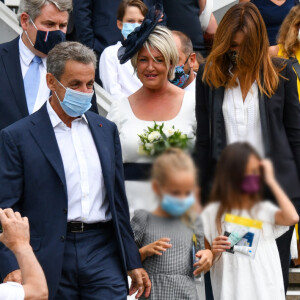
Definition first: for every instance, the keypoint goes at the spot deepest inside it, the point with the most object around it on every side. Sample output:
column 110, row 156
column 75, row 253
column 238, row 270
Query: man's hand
column 15, row 276
column 140, row 282
column 15, row 234
column 205, row 261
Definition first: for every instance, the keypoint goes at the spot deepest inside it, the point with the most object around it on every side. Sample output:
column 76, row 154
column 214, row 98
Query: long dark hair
column 230, row 172
column 254, row 59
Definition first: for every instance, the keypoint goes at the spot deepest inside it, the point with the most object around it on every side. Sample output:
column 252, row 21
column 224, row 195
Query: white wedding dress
column 139, row 193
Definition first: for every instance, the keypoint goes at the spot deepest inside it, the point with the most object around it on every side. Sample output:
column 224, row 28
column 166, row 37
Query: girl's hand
column 204, row 263
column 268, row 171
column 158, row 247
column 220, row 244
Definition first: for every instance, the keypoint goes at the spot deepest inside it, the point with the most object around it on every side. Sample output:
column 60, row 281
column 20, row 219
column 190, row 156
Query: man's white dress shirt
column 118, row 80
column 242, row 118
column 83, row 172
column 26, row 56
column 11, row 291
column 192, row 86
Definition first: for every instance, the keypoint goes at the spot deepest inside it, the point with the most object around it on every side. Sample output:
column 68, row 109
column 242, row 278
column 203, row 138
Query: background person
column 289, row 40
column 243, row 95
column 118, row 79
column 273, row 13
column 157, row 100
column 183, row 15
column 15, row 236
column 236, row 190
column 165, row 236
column 96, row 24
column 78, row 211
column 185, row 77
column 23, row 88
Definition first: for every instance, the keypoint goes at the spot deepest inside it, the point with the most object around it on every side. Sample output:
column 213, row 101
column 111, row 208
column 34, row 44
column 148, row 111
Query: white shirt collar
column 27, row 56
column 55, row 119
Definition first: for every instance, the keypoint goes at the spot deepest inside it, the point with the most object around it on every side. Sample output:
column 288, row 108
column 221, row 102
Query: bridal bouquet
column 155, row 140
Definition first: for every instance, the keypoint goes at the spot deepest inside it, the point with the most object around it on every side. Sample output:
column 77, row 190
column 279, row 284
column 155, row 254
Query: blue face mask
column 180, row 76
column 128, row 28
column 46, row 40
column 75, row 103
column 176, row 207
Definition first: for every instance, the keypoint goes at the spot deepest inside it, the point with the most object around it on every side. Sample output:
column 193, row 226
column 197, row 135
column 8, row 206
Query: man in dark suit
column 62, row 167
column 96, row 23
column 183, row 15
column 23, row 87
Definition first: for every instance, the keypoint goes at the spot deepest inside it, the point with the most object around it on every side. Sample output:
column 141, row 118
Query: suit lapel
column 218, row 125
column 43, row 133
column 264, row 120
column 99, row 136
column 11, row 62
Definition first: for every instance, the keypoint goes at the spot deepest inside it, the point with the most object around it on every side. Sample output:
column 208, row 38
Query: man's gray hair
column 33, row 7
column 61, row 53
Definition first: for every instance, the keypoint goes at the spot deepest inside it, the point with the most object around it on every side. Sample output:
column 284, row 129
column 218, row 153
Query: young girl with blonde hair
column 170, row 239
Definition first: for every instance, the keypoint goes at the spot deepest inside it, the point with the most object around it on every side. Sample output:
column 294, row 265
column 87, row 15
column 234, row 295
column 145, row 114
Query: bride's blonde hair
column 161, row 39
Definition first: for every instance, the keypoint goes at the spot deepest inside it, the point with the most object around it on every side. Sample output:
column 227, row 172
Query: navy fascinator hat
column 136, row 39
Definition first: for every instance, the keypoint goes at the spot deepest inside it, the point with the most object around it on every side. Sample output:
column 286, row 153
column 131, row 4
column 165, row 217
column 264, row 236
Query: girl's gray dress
column 171, row 274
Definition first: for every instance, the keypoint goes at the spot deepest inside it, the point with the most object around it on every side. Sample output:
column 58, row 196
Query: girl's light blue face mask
column 176, row 207
column 75, row 103
column 128, row 28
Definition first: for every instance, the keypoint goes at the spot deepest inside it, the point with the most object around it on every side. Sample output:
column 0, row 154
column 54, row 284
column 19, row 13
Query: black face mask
column 46, row 40
column 233, row 56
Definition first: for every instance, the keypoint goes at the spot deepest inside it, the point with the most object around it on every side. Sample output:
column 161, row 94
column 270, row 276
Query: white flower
column 153, row 136
column 149, row 146
column 168, row 131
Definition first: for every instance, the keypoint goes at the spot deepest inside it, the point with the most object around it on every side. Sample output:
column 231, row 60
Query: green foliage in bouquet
column 155, row 140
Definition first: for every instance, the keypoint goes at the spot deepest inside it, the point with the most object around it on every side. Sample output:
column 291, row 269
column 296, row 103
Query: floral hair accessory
column 136, row 39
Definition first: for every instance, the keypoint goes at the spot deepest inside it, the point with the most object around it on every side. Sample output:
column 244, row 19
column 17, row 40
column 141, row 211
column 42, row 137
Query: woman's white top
column 11, row 291
column 139, row 193
column 242, row 118
column 118, row 80
column 237, row 276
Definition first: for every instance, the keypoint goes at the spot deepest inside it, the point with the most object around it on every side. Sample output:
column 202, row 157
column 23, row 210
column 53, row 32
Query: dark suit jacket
column 13, row 105
column 280, row 123
column 183, row 15
column 96, row 23
column 32, row 181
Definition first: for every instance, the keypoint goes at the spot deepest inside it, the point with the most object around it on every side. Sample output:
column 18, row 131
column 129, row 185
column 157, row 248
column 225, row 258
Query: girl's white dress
column 139, row 193
column 237, row 276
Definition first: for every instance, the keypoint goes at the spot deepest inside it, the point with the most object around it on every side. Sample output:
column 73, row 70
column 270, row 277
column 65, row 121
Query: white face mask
column 299, row 35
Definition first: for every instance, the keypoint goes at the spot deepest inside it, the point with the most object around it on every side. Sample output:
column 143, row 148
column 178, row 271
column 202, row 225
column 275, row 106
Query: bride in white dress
column 157, row 100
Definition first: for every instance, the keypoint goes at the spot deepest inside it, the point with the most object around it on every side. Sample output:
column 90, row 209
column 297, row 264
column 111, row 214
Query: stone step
column 293, row 292
column 293, row 295
column 294, row 277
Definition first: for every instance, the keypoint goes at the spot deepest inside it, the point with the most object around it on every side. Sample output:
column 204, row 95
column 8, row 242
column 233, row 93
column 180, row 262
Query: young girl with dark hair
column 240, row 174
